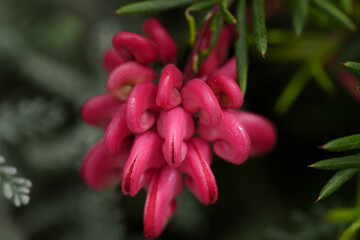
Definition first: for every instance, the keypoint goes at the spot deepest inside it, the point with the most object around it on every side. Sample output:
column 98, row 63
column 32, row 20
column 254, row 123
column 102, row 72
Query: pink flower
column 150, row 138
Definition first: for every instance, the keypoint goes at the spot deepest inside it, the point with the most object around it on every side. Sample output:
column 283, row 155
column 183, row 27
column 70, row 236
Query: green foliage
column 241, row 47
column 260, row 36
column 352, row 161
column 354, row 67
column 16, row 189
column 155, row 5
column 299, row 15
column 343, row 144
column 228, row 17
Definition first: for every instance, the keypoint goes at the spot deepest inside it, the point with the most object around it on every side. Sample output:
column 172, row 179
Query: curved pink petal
column 231, row 141
column 141, row 105
column 166, row 184
column 226, row 88
column 142, row 48
column 117, row 132
column 229, row 68
column 170, row 82
column 123, row 78
column 101, row 170
column 166, row 45
column 145, row 154
column 261, row 131
column 175, row 125
column 111, row 60
column 99, row 110
column 197, row 96
column 200, row 179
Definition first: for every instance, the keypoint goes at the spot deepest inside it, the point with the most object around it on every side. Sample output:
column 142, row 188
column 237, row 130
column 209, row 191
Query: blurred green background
column 50, row 64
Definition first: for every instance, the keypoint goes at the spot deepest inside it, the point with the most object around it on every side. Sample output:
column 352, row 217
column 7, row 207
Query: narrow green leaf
column 341, row 177
column 352, row 161
column 154, row 5
column 228, row 17
column 241, row 49
column 299, row 16
column 320, row 76
column 336, row 13
column 293, row 89
column 350, row 231
column 343, row 214
column 354, row 67
column 343, row 144
column 347, row 5
column 191, row 20
column 260, row 36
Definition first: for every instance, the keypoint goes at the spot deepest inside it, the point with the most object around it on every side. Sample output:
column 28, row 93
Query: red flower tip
column 200, row 179
column 99, row 110
column 197, row 96
column 229, row 68
column 142, row 48
column 166, row 45
column 145, row 154
column 175, row 125
column 101, row 170
column 165, row 185
column 170, row 82
column 123, row 78
column 111, row 60
column 226, row 88
column 140, row 106
column 231, row 141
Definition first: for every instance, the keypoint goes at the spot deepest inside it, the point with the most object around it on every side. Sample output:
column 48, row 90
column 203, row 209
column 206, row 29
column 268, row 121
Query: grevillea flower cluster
column 151, row 141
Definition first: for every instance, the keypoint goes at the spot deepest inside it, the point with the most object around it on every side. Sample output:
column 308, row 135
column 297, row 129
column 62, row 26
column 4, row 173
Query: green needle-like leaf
column 191, row 20
column 336, row 13
column 352, row 161
column 350, row 231
column 260, row 36
column 347, row 5
column 321, row 77
column 337, row 181
column 343, row 144
column 354, row 67
column 228, row 17
column 293, row 89
column 343, row 214
column 155, row 5
column 241, row 47
column 299, row 17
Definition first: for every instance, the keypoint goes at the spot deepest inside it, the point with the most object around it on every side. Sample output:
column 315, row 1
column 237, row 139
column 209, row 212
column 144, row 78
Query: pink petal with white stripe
column 141, row 107
column 123, row 78
column 231, row 141
column 165, row 185
column 99, row 110
column 170, row 82
column 145, row 154
column 197, row 96
column 176, row 126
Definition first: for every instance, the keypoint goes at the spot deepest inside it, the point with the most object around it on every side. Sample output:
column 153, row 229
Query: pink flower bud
column 171, row 80
column 123, row 78
column 101, row 170
column 140, row 106
column 111, row 60
column 226, row 88
column 231, row 141
column 117, row 132
column 99, row 110
column 200, row 179
column 145, row 154
column 197, row 96
column 165, row 185
column 229, row 68
column 261, row 131
column 142, row 48
column 166, row 45
column 175, row 125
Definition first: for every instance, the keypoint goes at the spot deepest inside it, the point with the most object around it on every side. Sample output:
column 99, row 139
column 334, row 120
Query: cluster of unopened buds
column 158, row 133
